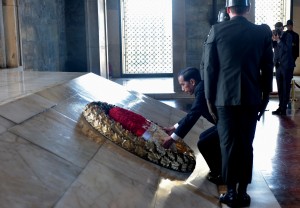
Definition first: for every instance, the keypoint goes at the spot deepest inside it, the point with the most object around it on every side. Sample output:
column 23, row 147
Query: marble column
column 102, row 12
column 179, row 40
column 11, row 33
column 92, row 36
column 296, row 18
column 96, row 37
column 2, row 40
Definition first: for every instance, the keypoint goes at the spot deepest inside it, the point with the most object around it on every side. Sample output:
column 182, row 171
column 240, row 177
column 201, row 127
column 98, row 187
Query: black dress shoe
column 230, row 199
column 279, row 112
column 283, row 112
column 216, row 179
column 244, row 200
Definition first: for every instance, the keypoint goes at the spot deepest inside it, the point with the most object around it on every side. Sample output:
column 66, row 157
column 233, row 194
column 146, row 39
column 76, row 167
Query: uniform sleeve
column 202, row 61
column 211, row 67
column 296, row 45
column 267, row 62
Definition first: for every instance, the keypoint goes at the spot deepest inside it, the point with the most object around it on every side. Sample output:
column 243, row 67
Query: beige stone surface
column 48, row 158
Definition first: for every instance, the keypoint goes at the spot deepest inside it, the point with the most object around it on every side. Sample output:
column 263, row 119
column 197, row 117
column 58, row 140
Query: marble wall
column 2, row 41
column 43, row 34
column 62, row 35
column 53, row 35
column 296, row 18
column 59, row 35
column 198, row 18
column 75, row 26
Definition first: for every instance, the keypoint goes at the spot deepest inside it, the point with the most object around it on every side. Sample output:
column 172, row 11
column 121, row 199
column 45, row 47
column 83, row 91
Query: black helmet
column 223, row 16
column 230, row 3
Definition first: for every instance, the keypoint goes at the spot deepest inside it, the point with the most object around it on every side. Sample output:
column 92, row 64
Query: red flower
column 130, row 121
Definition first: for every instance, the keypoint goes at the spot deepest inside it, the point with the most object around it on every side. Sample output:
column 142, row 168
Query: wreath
column 139, row 136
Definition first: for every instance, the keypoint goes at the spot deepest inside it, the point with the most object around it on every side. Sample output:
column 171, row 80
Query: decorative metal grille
column 147, row 37
column 270, row 11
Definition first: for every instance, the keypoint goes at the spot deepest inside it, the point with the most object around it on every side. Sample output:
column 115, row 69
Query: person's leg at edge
column 209, row 147
column 279, row 81
column 248, row 128
column 287, row 88
column 226, row 129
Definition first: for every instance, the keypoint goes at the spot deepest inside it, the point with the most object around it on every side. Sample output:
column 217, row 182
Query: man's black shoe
column 230, row 199
column 244, row 200
column 216, row 179
column 279, row 112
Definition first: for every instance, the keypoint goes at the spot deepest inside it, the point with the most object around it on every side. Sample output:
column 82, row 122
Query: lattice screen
column 270, row 11
column 147, row 36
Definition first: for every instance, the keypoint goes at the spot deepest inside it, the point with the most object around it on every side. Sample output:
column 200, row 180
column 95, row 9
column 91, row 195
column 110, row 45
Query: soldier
column 238, row 73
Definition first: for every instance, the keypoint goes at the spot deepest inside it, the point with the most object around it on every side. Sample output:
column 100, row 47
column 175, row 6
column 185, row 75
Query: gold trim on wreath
column 181, row 158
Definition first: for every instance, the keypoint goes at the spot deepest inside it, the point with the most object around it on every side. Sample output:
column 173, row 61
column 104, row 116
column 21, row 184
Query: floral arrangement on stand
column 139, row 136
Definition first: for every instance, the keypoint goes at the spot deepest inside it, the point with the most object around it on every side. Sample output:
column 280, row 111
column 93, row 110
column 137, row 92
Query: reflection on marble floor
column 15, row 84
column 48, row 158
column 155, row 83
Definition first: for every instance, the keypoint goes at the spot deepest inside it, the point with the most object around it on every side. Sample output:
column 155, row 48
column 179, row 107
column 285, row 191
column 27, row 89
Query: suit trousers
column 284, row 79
column 209, row 146
column 236, row 126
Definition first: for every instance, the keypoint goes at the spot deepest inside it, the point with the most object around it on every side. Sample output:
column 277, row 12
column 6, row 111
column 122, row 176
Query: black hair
column 239, row 9
column 190, row 73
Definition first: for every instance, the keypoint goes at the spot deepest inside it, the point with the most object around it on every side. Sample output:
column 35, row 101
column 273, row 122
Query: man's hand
column 169, row 130
column 168, row 141
column 211, row 110
column 275, row 37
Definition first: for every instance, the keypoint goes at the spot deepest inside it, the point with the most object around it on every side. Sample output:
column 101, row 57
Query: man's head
column 278, row 25
column 278, row 29
column 188, row 78
column 289, row 24
column 237, row 7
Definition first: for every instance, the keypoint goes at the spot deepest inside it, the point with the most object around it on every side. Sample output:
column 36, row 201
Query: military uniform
column 238, row 71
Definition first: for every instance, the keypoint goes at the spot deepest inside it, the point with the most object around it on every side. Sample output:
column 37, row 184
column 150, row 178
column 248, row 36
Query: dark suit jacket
column 238, row 63
column 295, row 47
column 283, row 53
column 198, row 109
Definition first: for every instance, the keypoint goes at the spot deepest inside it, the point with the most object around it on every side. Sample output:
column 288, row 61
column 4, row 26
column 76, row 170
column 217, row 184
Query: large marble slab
column 5, row 124
column 58, row 134
column 49, row 158
column 31, row 176
column 122, row 176
column 23, row 109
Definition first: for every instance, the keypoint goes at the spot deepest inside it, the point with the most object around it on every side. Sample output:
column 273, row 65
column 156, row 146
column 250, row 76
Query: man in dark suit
column 295, row 46
column 238, row 73
column 208, row 144
column 284, row 64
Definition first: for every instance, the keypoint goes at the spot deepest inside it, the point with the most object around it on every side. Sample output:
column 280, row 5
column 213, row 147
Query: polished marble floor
column 276, row 145
column 48, row 158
